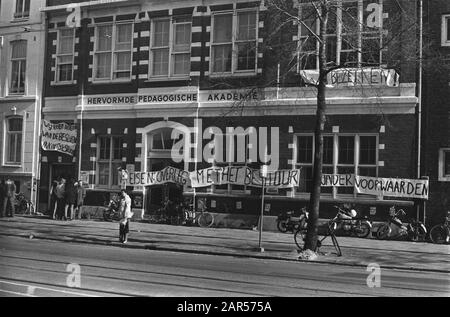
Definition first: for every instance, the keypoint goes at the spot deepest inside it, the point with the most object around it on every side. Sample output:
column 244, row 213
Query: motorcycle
column 112, row 211
column 347, row 222
column 287, row 222
column 413, row 231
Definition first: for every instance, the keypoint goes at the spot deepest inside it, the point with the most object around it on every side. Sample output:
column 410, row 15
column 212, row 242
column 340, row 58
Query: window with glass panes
column 170, row 47
column 113, row 51
column 342, row 154
column 351, row 40
column 64, row 55
column 18, row 66
column 234, row 42
column 109, row 159
column 22, row 9
column 14, row 127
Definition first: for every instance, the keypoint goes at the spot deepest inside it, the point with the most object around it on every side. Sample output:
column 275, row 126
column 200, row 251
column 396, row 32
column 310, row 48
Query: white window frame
column 6, row 141
column 356, row 165
column 111, row 161
column 113, row 52
column 339, row 34
column 234, row 43
column 11, row 92
column 22, row 14
column 445, row 38
column 58, row 54
column 170, row 47
column 441, row 165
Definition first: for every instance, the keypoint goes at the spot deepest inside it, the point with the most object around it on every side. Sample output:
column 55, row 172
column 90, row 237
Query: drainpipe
column 419, row 103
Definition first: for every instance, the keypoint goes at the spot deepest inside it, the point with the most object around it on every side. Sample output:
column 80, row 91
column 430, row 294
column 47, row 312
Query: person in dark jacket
column 10, row 193
column 70, row 196
column 53, row 199
column 60, row 201
column 2, row 198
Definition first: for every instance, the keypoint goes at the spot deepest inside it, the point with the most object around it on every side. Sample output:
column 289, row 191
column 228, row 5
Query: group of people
column 7, row 197
column 66, row 196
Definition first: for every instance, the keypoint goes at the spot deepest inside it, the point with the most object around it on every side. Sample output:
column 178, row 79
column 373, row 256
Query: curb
column 217, row 253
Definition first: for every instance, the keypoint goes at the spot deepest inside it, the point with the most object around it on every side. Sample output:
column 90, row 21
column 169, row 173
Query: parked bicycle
column 413, row 231
column 440, row 233
column 287, row 222
column 23, row 205
column 347, row 222
column 112, row 211
column 201, row 217
column 299, row 237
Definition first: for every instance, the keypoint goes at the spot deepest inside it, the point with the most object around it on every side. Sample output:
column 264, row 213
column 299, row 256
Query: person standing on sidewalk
column 53, row 199
column 60, row 203
column 10, row 193
column 81, row 193
column 70, row 197
column 2, row 198
column 125, row 209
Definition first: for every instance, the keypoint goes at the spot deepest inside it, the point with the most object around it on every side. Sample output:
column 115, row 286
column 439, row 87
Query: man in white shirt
column 125, row 209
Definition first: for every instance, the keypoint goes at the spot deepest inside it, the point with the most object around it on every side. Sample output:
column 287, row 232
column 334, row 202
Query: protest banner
column 242, row 175
column 337, row 180
column 166, row 175
column 59, row 137
column 395, row 187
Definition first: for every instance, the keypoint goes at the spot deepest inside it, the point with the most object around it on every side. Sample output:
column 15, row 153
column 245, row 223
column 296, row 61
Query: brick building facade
column 136, row 70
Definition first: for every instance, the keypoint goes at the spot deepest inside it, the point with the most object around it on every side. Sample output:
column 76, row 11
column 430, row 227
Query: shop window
column 113, row 51
column 444, row 165
column 234, row 42
column 18, row 66
column 65, row 55
column 170, row 47
column 14, row 135
column 22, row 9
column 109, row 160
column 353, row 39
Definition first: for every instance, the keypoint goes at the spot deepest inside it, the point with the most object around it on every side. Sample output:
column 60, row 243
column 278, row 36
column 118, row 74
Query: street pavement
column 357, row 252
column 44, row 268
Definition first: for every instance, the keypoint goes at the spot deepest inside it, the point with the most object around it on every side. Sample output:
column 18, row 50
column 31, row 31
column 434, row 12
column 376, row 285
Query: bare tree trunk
column 314, row 202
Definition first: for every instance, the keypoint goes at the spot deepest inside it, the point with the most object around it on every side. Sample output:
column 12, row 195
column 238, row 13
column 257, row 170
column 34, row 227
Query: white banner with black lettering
column 394, row 187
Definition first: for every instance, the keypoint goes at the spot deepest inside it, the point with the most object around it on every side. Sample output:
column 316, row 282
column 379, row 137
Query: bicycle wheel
column 23, row 207
column 438, row 234
column 362, row 230
column 281, row 225
column 299, row 238
column 205, row 220
column 383, row 232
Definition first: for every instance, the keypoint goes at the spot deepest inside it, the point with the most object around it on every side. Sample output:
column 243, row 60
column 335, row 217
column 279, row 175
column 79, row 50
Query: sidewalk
column 231, row 242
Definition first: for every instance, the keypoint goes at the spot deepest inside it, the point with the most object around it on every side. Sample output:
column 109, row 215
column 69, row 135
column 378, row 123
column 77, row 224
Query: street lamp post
column 263, row 178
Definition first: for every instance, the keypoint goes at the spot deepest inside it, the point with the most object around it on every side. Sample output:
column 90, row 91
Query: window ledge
column 154, row 79
column 243, row 74
column 444, row 179
column 12, row 165
column 21, row 19
column 110, row 81
column 63, row 83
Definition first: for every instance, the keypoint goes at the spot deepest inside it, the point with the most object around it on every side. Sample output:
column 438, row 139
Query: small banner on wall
column 394, row 187
column 59, row 137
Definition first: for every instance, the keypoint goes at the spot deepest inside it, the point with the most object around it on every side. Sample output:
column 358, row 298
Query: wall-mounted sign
column 59, row 137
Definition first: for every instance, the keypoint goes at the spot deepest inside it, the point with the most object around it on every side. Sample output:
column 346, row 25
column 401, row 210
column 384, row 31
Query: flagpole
column 81, row 132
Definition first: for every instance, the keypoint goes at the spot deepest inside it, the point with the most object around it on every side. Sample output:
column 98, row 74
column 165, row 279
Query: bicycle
column 300, row 234
column 414, row 231
column 23, row 205
column 202, row 217
column 440, row 233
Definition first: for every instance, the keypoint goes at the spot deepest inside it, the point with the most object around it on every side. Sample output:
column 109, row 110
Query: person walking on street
column 10, row 193
column 2, row 198
column 125, row 208
column 60, row 203
column 53, row 199
column 70, row 197
column 81, row 193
